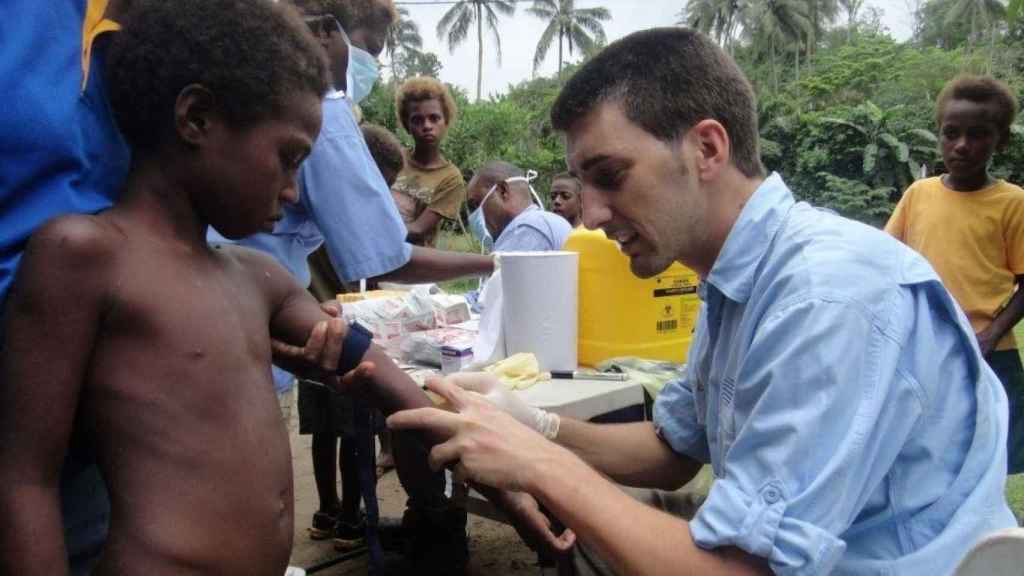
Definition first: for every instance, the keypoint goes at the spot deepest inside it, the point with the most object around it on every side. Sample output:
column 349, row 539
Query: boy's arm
column 1007, row 318
column 386, row 387
column 422, row 226
column 50, row 324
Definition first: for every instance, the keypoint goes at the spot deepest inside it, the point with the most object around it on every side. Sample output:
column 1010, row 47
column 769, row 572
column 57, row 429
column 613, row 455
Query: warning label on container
column 674, row 286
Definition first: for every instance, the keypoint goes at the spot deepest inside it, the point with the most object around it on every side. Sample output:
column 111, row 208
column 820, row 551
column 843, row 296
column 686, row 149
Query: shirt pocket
column 726, row 423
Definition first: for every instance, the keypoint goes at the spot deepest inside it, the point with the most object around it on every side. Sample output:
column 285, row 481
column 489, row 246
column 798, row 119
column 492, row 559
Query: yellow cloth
column 518, row 371
column 974, row 240
column 94, row 24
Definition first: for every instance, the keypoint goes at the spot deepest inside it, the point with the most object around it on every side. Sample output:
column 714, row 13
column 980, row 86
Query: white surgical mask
column 477, row 220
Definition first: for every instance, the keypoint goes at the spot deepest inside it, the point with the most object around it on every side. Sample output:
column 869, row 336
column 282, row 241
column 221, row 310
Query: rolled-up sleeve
column 676, row 421
column 805, row 435
column 343, row 191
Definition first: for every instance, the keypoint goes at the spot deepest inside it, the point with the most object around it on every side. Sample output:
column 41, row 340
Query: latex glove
column 483, row 444
column 491, row 389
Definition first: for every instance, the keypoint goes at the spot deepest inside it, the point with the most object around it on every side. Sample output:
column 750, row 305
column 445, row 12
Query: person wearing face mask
column 505, row 208
column 429, row 188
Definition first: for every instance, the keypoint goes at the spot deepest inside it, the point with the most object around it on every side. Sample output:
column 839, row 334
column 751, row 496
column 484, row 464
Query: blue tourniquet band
column 354, row 347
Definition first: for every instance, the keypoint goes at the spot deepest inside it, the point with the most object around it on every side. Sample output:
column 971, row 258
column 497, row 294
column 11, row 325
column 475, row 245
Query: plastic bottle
column 622, row 315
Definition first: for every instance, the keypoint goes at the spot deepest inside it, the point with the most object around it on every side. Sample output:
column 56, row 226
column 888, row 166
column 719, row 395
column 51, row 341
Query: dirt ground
column 495, row 548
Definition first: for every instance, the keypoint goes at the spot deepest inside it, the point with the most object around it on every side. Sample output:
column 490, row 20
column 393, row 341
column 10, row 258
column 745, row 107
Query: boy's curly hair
column 353, row 14
column 250, row 54
column 384, row 147
column 980, row 90
column 422, row 88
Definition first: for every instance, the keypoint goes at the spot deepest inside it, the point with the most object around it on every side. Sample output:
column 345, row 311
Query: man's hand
column 490, row 387
column 484, row 444
column 533, row 526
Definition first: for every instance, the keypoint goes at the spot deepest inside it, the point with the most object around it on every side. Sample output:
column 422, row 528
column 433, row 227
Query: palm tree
column 978, row 12
column 852, row 7
column 403, row 36
column 454, row 27
column 779, row 22
column 820, row 13
column 579, row 26
column 717, row 18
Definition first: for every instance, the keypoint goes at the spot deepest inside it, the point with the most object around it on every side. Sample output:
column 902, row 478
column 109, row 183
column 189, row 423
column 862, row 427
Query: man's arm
column 1007, row 318
column 50, row 324
column 430, row 265
column 422, row 226
column 651, row 463
column 488, row 446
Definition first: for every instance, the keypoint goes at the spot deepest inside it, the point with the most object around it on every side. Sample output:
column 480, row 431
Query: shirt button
column 772, row 495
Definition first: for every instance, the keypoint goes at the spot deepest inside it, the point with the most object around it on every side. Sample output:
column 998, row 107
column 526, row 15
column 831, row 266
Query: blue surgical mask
column 363, row 70
column 478, row 224
column 362, row 73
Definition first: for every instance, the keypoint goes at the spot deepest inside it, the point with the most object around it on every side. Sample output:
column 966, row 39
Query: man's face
column 638, row 189
column 426, row 121
column 248, row 172
column 477, row 193
column 968, row 137
column 565, row 199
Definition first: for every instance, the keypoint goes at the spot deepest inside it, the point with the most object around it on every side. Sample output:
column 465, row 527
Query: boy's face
column 426, row 121
column 968, row 137
column 565, row 199
column 249, row 172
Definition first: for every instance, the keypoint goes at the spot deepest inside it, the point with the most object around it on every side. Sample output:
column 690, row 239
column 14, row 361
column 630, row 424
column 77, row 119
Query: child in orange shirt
column 970, row 227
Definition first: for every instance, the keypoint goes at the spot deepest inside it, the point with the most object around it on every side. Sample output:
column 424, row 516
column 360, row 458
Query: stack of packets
column 393, row 315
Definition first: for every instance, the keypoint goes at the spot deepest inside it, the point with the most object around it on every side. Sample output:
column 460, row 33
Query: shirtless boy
column 125, row 330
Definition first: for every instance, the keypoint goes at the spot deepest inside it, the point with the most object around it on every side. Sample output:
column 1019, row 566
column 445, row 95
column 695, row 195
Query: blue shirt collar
column 751, row 234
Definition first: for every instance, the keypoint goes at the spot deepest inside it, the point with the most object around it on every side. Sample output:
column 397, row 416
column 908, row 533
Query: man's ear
column 194, row 114
column 713, row 148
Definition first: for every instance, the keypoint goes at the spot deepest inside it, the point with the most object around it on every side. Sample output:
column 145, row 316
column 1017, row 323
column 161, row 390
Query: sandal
column 323, row 526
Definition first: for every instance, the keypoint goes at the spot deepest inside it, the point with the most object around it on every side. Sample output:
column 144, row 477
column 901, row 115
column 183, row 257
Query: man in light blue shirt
column 833, row 385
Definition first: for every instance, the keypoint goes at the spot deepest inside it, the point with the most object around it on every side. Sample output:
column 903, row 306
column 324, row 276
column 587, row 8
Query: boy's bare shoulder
column 77, row 238
column 262, row 267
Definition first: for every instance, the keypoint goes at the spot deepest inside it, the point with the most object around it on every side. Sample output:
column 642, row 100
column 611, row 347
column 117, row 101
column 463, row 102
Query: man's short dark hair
column 569, row 177
column 980, row 90
column 250, row 54
column 384, row 147
column 667, row 80
column 353, row 14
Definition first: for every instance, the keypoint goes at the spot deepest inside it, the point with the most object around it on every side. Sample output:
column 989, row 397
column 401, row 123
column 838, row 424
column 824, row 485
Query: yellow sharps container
column 622, row 315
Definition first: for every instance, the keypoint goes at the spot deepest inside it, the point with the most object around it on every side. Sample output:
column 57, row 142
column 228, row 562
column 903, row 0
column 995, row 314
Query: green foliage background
column 848, row 130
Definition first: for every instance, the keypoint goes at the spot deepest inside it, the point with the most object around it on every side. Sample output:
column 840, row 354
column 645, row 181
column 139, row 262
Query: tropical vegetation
column 846, row 111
